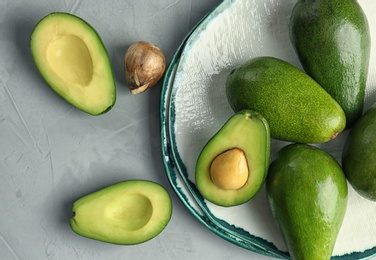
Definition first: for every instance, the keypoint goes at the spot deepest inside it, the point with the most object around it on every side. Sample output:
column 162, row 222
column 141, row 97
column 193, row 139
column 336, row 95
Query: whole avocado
column 358, row 158
column 296, row 108
column 307, row 193
column 332, row 40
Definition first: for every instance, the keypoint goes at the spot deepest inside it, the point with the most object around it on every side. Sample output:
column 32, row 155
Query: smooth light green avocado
column 332, row 40
column 296, row 108
column 126, row 213
column 72, row 59
column 359, row 155
column 307, row 193
column 233, row 164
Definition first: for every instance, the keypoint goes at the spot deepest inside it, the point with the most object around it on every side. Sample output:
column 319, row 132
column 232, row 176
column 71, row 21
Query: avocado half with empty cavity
column 72, row 59
column 233, row 164
column 126, row 213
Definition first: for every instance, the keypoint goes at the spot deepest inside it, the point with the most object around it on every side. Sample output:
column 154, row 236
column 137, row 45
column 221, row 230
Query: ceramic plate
column 194, row 107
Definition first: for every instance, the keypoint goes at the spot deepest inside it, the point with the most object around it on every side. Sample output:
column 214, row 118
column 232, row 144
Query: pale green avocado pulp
column 247, row 131
column 72, row 59
column 129, row 212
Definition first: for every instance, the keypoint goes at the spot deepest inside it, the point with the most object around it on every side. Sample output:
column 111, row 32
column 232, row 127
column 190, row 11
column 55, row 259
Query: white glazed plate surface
column 194, row 107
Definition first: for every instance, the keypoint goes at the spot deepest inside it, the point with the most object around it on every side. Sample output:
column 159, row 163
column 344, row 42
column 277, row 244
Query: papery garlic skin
column 144, row 65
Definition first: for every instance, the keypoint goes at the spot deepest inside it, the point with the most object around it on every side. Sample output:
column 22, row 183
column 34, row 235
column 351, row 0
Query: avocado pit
column 229, row 170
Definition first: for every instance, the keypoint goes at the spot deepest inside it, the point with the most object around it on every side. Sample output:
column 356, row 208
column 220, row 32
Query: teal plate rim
column 177, row 175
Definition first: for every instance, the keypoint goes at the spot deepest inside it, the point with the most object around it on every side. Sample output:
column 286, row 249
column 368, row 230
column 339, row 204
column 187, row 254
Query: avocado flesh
column 332, row 40
column 296, row 108
column 248, row 131
column 307, row 193
column 129, row 212
column 358, row 157
column 72, row 59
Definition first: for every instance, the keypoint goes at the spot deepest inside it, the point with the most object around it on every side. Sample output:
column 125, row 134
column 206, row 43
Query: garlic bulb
column 144, row 65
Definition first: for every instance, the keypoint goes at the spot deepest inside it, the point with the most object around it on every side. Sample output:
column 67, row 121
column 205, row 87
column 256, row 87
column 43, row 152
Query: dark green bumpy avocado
column 332, row 40
column 307, row 192
column 296, row 108
column 359, row 155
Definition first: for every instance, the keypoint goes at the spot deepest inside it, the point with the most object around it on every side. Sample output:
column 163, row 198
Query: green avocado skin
column 307, row 193
column 248, row 131
column 296, row 108
column 332, row 40
column 359, row 155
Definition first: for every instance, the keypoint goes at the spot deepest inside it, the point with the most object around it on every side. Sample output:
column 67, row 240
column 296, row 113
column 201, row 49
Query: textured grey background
column 51, row 154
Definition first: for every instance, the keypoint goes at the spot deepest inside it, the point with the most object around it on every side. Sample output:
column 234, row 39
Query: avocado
column 125, row 213
column 296, row 108
column 358, row 156
column 332, row 41
column 233, row 164
column 307, row 193
column 72, row 59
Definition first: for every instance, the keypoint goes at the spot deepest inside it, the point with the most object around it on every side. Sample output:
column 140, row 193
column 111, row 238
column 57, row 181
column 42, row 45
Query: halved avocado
column 233, row 164
column 72, row 59
column 126, row 213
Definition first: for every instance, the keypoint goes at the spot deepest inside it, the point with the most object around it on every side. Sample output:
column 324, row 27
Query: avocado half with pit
column 233, row 164
column 72, row 59
column 126, row 213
